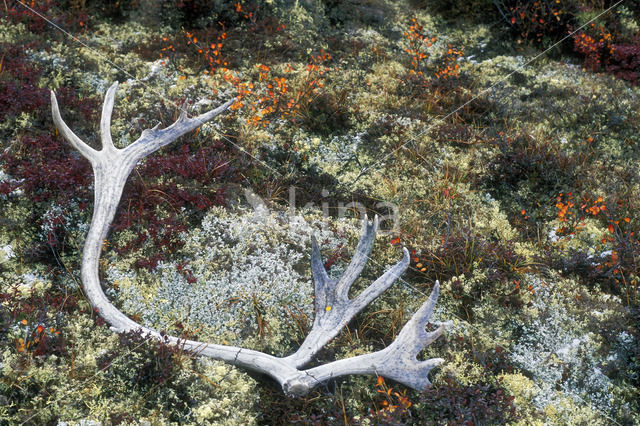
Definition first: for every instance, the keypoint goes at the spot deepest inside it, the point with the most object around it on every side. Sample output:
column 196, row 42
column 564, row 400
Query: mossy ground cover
column 510, row 161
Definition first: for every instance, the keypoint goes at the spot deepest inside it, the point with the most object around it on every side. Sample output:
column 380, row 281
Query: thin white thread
column 482, row 92
column 151, row 89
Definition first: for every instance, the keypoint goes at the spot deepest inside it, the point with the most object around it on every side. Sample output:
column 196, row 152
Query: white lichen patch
column 560, row 354
column 31, row 284
column 240, row 273
column 6, row 253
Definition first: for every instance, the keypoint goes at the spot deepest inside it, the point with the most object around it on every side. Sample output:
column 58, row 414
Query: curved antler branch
column 105, row 119
column 111, row 168
column 88, row 152
column 360, row 257
column 153, row 139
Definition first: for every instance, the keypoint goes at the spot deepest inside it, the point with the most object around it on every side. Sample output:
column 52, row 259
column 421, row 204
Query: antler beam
column 334, row 309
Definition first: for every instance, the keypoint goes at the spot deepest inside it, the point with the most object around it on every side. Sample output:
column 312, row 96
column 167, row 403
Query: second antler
column 333, row 308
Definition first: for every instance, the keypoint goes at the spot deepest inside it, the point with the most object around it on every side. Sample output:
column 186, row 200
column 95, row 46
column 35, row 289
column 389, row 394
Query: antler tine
column 384, row 282
column 402, row 364
column 359, row 258
column 413, row 337
column 105, row 119
column 153, row 139
column 87, row 152
column 320, row 277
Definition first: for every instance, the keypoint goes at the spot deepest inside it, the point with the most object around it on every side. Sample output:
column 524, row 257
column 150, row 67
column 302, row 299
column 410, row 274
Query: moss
column 523, row 390
column 235, row 396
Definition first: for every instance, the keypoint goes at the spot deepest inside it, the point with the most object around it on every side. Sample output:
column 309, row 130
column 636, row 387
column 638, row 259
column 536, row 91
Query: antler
column 334, row 309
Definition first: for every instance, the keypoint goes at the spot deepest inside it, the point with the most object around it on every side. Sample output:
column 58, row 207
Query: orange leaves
column 277, row 95
column 450, row 64
column 614, row 257
column 33, row 338
column 596, row 44
column 208, row 52
column 264, row 106
column 242, row 12
column 212, row 53
column 415, row 32
column 267, row 92
column 418, row 42
column 619, row 243
column 596, row 208
column 535, row 20
column 414, row 257
column 572, row 216
column 393, row 400
column 321, row 58
column 563, row 208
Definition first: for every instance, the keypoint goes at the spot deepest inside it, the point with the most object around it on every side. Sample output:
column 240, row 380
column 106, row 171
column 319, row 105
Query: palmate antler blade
column 397, row 361
column 334, row 309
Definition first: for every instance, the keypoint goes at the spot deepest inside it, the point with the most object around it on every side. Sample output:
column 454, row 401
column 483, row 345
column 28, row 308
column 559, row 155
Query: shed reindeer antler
column 333, row 308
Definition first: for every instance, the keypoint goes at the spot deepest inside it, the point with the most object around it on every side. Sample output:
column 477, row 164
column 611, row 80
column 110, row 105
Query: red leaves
column 19, row 91
column 48, row 170
column 185, row 177
column 481, row 403
column 601, row 49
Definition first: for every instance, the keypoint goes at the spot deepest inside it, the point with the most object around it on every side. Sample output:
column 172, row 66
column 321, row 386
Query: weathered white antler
column 334, row 309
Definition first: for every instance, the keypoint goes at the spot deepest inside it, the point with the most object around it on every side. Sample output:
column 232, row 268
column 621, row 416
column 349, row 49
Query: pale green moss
column 523, row 391
column 233, row 398
column 13, row 32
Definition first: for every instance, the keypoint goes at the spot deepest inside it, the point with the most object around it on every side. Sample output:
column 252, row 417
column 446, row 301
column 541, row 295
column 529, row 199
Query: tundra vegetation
column 505, row 133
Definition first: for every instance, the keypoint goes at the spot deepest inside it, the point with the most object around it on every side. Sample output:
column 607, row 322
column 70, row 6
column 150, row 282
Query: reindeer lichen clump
column 333, row 307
